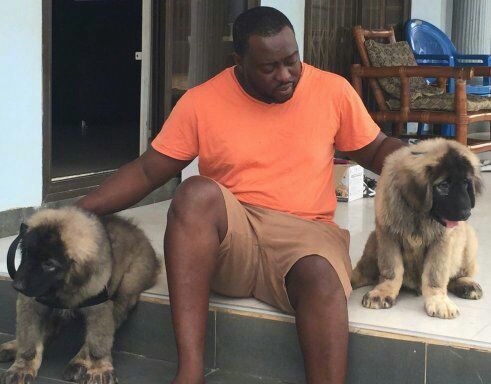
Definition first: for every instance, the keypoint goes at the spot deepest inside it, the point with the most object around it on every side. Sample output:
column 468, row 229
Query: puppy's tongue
column 451, row 224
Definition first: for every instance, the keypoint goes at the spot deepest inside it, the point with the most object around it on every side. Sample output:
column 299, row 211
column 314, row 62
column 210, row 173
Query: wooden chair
column 402, row 95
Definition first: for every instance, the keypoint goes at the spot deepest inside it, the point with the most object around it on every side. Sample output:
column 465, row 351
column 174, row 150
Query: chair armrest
column 476, row 59
column 433, row 59
column 481, row 71
column 461, row 75
column 466, row 73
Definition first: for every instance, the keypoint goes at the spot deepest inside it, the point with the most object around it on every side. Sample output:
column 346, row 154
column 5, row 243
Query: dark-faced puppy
column 72, row 261
column 422, row 240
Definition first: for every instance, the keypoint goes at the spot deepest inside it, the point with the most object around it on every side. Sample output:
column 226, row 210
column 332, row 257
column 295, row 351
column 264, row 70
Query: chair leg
column 461, row 133
column 397, row 129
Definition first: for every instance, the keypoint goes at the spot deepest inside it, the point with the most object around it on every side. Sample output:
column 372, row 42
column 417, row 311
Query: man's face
column 270, row 68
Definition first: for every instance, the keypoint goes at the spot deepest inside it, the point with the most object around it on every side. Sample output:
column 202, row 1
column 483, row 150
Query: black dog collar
column 13, row 248
column 100, row 298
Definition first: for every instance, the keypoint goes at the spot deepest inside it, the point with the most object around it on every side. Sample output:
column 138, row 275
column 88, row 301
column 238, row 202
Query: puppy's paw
column 466, row 288
column 17, row 376
column 441, row 306
column 377, row 299
column 100, row 376
column 75, row 372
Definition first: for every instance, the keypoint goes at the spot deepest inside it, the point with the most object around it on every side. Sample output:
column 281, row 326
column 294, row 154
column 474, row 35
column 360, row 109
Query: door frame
column 55, row 190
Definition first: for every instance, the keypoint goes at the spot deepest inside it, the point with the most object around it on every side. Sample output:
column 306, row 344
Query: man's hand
column 132, row 182
column 372, row 156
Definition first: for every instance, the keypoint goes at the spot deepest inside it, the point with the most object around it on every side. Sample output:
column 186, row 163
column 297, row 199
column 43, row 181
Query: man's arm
column 132, row 182
column 372, row 156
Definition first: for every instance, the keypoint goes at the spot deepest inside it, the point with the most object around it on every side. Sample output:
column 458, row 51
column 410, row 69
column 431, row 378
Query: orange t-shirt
column 278, row 156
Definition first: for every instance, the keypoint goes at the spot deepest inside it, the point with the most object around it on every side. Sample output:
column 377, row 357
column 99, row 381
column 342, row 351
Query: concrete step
column 131, row 369
column 254, row 347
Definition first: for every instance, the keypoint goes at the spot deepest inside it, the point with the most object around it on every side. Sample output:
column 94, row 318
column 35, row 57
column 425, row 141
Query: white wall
column 436, row 12
column 20, row 104
column 295, row 11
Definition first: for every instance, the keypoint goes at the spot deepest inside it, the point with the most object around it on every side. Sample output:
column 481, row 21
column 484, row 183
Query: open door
column 95, row 80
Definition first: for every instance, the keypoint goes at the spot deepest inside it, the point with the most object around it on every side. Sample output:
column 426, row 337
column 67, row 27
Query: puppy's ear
column 475, row 185
column 471, row 193
column 478, row 183
column 416, row 190
column 474, row 188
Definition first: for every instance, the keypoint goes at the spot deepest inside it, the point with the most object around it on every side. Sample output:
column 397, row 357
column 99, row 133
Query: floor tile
column 148, row 332
column 45, row 380
column 447, row 365
column 40, row 379
column 384, row 361
column 133, row 369
column 226, row 377
column 258, row 347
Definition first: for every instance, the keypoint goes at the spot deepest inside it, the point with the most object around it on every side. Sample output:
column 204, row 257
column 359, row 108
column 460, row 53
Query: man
column 258, row 221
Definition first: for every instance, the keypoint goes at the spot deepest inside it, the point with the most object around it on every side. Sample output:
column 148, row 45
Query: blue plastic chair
column 431, row 46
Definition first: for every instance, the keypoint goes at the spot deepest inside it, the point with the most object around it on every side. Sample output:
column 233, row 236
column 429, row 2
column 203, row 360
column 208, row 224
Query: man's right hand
column 132, row 182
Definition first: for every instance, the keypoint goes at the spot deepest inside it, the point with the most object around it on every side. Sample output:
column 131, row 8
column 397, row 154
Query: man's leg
column 318, row 298
column 196, row 224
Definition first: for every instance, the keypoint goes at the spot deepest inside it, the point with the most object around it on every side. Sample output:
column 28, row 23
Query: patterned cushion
column 444, row 102
column 396, row 54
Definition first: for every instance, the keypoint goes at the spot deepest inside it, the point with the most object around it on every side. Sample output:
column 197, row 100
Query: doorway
column 95, row 82
column 95, row 86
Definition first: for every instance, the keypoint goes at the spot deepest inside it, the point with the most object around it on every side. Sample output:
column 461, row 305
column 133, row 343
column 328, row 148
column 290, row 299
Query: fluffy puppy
column 73, row 261
column 422, row 240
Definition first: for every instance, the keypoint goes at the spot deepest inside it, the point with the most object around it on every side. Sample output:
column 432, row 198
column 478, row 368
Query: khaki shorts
column 261, row 246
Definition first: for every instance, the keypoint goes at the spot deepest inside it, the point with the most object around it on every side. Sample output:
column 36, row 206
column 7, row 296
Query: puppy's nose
column 465, row 214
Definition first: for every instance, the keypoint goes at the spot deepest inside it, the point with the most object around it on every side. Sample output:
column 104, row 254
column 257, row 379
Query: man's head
column 266, row 54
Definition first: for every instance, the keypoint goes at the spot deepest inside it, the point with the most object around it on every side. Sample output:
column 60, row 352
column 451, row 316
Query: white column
column 471, row 26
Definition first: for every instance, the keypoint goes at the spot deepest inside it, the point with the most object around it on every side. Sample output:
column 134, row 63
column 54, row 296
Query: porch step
column 254, row 347
column 133, row 369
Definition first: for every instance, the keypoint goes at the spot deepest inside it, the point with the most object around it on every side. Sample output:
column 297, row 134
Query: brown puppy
column 71, row 259
column 421, row 239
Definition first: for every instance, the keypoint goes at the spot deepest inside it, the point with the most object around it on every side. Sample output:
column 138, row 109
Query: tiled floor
column 472, row 328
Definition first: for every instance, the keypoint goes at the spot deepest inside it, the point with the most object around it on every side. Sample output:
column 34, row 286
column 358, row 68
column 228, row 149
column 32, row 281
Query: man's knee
column 313, row 276
column 195, row 194
column 199, row 198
